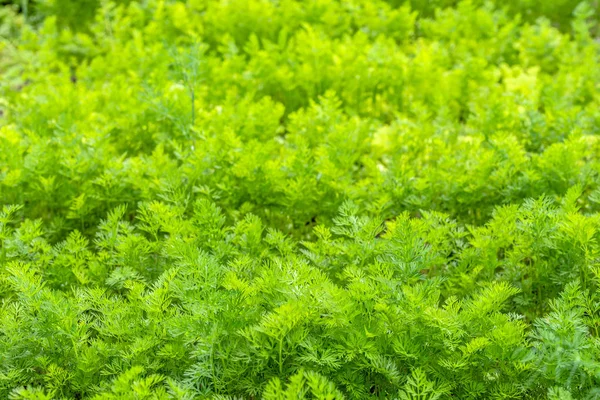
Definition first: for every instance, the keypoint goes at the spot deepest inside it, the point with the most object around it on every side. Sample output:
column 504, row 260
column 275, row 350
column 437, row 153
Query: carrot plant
column 286, row 199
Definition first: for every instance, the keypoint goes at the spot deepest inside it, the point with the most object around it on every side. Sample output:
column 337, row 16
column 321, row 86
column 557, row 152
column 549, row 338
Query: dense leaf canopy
column 289, row 199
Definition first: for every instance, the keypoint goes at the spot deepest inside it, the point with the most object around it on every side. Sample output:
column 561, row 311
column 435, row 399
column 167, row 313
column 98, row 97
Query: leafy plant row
column 166, row 306
column 77, row 15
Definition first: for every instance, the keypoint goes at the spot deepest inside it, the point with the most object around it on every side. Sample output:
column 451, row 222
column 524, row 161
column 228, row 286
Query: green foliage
column 299, row 199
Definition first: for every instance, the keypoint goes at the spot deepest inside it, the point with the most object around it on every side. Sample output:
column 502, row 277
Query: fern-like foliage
column 295, row 199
